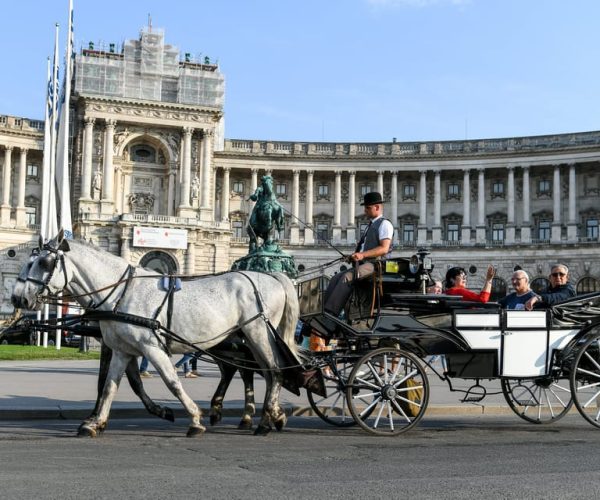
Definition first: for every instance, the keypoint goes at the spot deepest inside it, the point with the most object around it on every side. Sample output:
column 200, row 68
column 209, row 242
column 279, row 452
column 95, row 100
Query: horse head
column 44, row 274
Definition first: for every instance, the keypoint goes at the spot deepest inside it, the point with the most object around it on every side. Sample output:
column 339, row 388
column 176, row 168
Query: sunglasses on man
column 558, row 275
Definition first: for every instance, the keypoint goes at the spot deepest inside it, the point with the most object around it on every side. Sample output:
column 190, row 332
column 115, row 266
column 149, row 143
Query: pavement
column 57, row 389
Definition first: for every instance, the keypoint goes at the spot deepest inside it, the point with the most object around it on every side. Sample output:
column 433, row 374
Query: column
column 225, row 195
column 171, row 192
column 351, row 229
column 190, row 258
column 437, row 208
column 422, row 229
column 88, row 145
column 295, row 226
column 20, row 211
column 125, row 250
column 109, row 171
column 5, row 207
column 380, row 182
column 185, row 208
column 526, row 224
column 394, row 211
column 510, row 208
column 556, row 222
column 481, row 228
column 337, row 210
column 206, row 173
column 309, row 237
column 466, row 222
column 572, row 223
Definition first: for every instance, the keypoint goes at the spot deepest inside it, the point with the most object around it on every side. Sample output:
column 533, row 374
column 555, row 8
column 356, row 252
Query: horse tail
column 291, row 310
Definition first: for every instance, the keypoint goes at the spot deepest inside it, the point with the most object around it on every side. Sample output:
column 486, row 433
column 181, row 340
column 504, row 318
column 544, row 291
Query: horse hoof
column 215, row 419
column 195, row 431
column 262, row 430
column 280, row 422
column 86, row 431
column 168, row 414
column 245, row 425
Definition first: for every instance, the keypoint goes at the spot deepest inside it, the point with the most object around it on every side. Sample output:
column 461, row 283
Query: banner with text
column 159, row 237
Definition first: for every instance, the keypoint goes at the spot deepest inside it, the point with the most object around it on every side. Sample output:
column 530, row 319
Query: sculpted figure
column 267, row 213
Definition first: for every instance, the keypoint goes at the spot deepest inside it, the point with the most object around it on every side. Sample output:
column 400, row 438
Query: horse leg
column 249, row 405
column 163, row 365
column 216, row 403
column 98, row 423
column 133, row 376
column 105, row 357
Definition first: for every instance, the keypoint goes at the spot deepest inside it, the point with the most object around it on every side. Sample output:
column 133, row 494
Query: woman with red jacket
column 456, row 284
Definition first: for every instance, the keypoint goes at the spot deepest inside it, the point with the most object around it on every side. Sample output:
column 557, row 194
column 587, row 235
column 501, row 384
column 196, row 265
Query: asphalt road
column 486, row 456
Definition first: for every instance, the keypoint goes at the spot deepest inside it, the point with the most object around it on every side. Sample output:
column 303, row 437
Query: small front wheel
column 585, row 380
column 388, row 391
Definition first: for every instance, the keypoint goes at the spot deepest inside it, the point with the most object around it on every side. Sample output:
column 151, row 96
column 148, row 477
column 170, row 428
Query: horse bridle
column 50, row 259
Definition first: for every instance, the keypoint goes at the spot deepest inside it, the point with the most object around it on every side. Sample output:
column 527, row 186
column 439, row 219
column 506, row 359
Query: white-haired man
column 522, row 293
column 559, row 290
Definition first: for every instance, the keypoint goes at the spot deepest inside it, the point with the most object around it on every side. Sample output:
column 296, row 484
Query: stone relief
column 141, row 201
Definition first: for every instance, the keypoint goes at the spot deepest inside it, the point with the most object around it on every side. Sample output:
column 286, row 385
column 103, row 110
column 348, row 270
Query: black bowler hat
column 372, row 198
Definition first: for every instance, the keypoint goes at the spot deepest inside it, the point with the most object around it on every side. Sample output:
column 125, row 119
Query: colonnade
column 6, row 206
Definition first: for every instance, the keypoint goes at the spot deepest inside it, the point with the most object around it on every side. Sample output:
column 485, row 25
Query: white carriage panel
column 524, row 353
column 526, row 319
column 482, row 339
column 477, row 320
column 560, row 338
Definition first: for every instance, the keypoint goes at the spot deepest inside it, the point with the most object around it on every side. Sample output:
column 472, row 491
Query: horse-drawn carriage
column 381, row 348
column 375, row 373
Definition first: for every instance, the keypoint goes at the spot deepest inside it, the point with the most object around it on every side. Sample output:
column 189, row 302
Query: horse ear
column 64, row 245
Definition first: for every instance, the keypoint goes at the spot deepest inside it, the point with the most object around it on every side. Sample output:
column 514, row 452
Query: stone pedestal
column 510, row 234
column 525, row 234
column 436, row 235
column 572, row 232
column 294, row 235
column 268, row 258
column 556, row 233
column 20, row 217
column 337, row 235
column 309, row 236
column 480, row 234
column 465, row 235
column 422, row 236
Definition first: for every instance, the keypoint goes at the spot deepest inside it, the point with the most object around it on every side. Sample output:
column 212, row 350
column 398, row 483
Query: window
column 31, row 216
column 408, row 191
column 408, row 232
column 591, row 229
column 143, row 153
column 497, row 232
column 281, row 189
column 544, row 230
column 238, row 187
column 498, row 189
column 32, row 171
column 323, row 191
column 587, row 285
column 238, row 228
column 322, row 231
column 364, row 189
column 452, row 232
column 453, row 191
column 544, row 187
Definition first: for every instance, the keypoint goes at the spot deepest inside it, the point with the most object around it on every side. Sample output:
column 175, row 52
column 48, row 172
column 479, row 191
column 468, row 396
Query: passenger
column 375, row 242
column 518, row 298
column 559, row 290
column 456, row 284
column 436, row 288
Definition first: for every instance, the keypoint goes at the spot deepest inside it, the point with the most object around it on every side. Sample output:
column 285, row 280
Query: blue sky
column 349, row 70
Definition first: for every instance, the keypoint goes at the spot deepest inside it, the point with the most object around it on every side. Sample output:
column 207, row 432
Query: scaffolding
column 148, row 69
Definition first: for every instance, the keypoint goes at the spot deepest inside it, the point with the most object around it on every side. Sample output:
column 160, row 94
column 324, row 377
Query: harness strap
column 130, row 271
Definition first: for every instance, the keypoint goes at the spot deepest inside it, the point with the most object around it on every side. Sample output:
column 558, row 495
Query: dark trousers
column 340, row 287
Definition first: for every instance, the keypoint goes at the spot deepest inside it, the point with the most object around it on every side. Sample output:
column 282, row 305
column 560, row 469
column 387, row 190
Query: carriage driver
column 374, row 243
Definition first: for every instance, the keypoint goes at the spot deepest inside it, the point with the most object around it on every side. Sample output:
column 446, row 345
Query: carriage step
column 472, row 399
column 475, row 394
column 529, row 402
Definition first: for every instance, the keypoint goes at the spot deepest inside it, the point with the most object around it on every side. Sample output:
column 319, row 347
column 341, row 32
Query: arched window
column 143, row 153
column 498, row 289
column 540, row 285
column 588, row 285
column 161, row 262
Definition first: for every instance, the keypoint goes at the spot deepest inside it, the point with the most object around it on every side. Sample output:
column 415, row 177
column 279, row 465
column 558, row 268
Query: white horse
column 136, row 318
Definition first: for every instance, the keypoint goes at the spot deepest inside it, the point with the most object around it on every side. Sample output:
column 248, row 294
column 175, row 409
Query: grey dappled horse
column 132, row 371
column 207, row 311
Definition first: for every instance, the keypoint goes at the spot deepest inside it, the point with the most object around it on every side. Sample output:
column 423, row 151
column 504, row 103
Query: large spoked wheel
column 333, row 409
column 387, row 392
column 542, row 400
column 585, row 380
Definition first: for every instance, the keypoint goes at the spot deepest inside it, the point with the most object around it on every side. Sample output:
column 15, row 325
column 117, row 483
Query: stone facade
column 159, row 160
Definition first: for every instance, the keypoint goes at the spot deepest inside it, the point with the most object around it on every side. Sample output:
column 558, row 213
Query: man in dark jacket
column 559, row 290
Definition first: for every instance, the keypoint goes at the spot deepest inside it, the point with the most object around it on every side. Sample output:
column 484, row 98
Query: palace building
column 153, row 179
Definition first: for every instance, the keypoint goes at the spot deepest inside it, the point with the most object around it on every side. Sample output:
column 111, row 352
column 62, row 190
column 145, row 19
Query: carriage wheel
column 334, row 409
column 585, row 380
column 540, row 401
column 388, row 392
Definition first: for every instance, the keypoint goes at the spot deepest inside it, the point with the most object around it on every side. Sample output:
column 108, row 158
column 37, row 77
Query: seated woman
column 456, row 284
